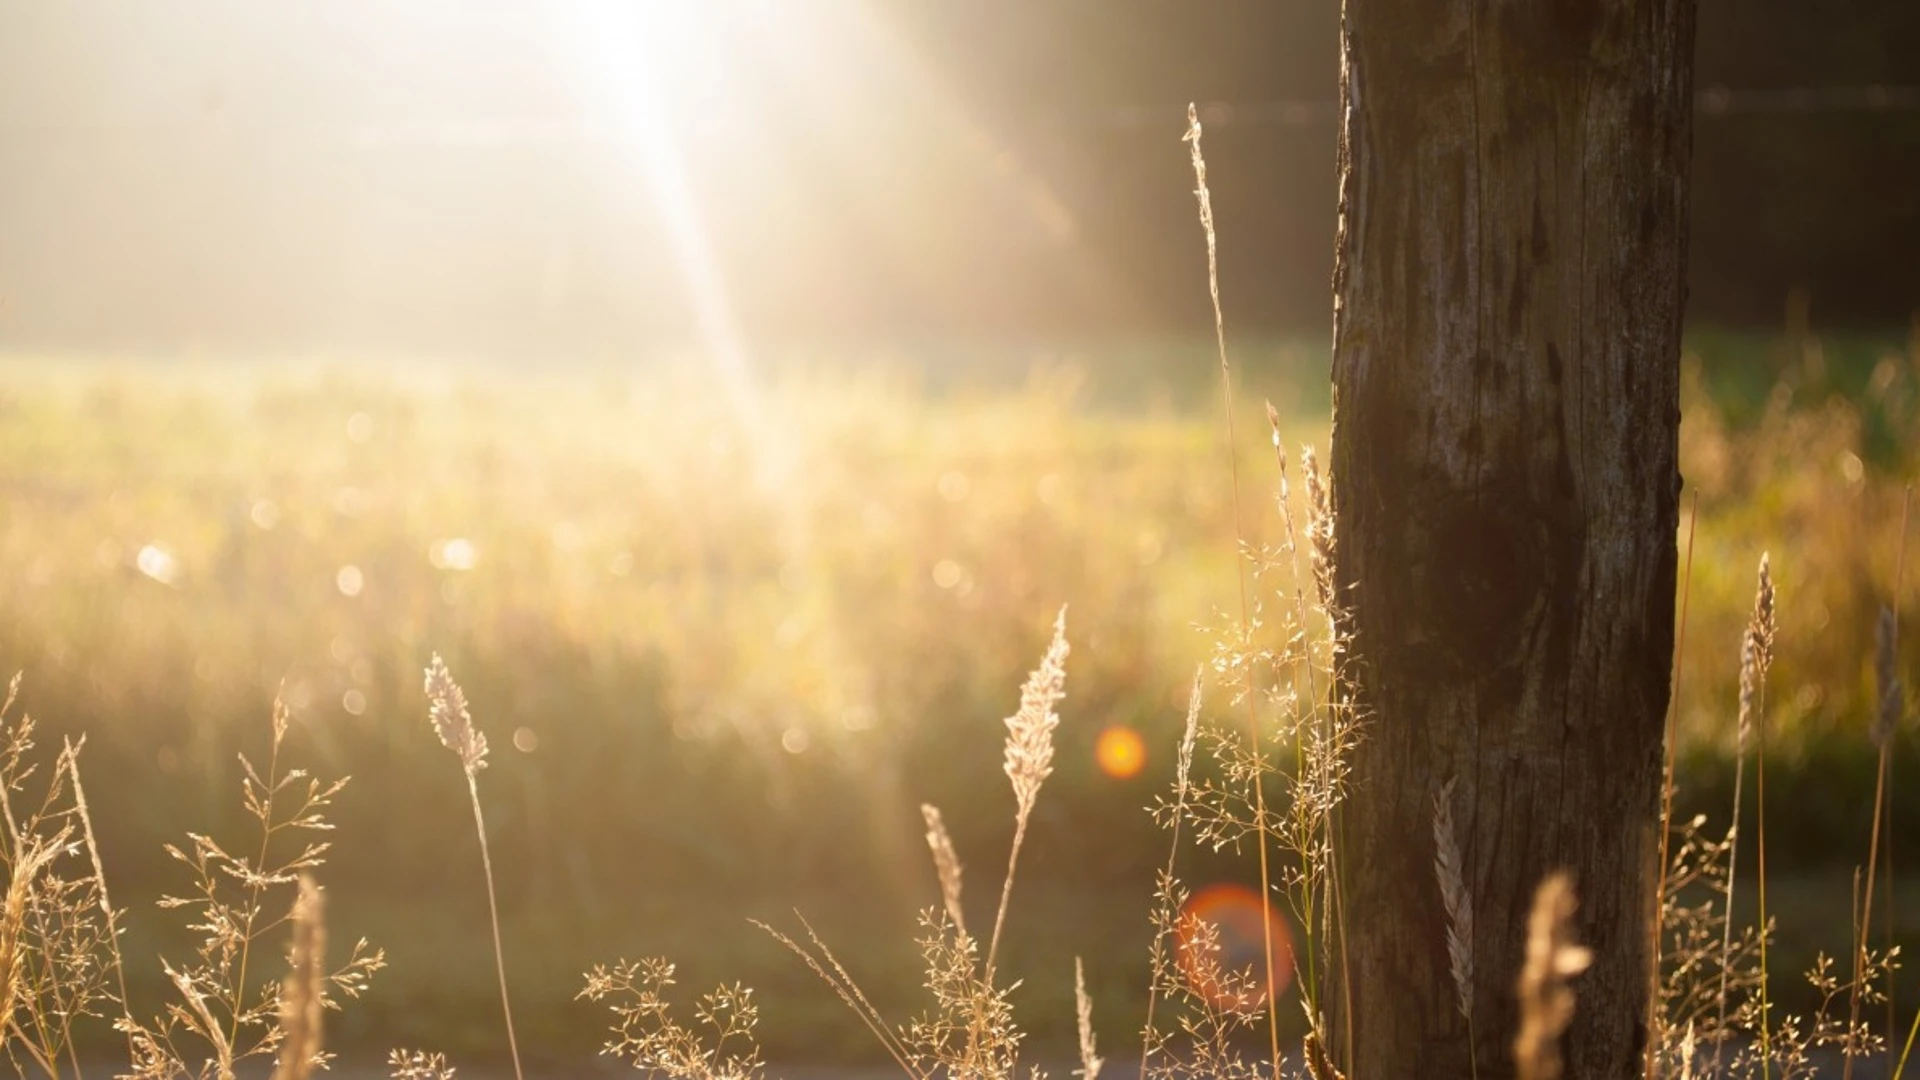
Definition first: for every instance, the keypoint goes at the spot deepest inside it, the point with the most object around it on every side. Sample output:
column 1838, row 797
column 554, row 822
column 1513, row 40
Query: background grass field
column 726, row 635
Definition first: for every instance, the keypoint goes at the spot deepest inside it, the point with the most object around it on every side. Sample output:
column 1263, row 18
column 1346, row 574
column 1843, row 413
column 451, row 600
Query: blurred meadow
column 724, row 654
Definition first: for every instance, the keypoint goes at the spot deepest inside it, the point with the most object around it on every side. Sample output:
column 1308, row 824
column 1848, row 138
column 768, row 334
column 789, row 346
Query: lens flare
column 1219, row 943
column 1120, row 752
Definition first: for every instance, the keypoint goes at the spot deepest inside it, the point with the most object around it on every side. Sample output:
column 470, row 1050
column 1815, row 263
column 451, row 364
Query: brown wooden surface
column 1506, row 369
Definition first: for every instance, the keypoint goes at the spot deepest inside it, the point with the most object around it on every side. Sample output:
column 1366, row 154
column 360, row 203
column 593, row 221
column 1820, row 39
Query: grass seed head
column 946, row 862
column 302, row 994
column 1030, row 731
column 1756, row 651
column 447, row 708
column 1454, row 898
column 1090, row 1062
column 1546, row 1001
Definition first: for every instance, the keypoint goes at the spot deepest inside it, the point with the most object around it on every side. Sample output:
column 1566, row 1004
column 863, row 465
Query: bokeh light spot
column 1219, row 943
column 1120, row 752
column 947, row 574
column 455, row 553
column 525, row 740
column 350, row 580
column 157, row 563
column 354, row 702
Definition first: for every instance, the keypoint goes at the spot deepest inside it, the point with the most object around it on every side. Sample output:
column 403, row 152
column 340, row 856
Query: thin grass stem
column 1655, row 1021
column 1205, row 198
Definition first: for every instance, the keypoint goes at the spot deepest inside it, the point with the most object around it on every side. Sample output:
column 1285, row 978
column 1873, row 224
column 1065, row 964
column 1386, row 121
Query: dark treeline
column 232, row 177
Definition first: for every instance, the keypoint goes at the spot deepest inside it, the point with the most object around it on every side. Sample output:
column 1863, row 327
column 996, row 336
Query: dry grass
column 1546, row 1000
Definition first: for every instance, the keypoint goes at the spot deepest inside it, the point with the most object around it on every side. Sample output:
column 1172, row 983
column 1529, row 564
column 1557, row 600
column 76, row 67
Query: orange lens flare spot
column 1219, row 944
column 1120, row 752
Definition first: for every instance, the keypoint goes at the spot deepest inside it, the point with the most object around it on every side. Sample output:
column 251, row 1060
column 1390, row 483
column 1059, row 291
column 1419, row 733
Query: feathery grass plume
column 30, row 859
column 1458, row 903
column 1029, row 757
column 1546, row 1001
column 945, row 862
column 1320, row 538
column 303, row 994
column 1756, row 651
column 1204, row 197
column 107, row 911
column 418, row 1065
column 1174, row 815
column 447, row 708
column 1083, row 1013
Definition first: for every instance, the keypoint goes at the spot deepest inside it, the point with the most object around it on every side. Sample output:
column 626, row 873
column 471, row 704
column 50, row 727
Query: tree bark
column 1508, row 296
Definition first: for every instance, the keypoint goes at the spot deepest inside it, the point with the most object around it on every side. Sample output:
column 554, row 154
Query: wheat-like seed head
column 1030, row 731
column 1546, row 1002
column 1756, row 651
column 946, row 862
column 1083, row 1010
column 301, row 1004
column 1319, row 528
column 1887, row 674
column 1455, row 898
column 1187, row 737
column 447, row 708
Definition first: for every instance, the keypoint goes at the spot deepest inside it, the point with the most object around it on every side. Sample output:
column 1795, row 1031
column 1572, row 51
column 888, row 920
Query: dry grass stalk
column 1756, row 656
column 235, row 901
column 1457, row 901
column 1090, row 1062
column 945, row 862
column 1183, row 768
column 1546, row 1001
column 447, row 708
column 1656, row 1013
column 1204, row 197
column 827, row 967
column 1029, row 757
column 1892, row 697
column 303, row 993
column 107, row 912
column 1891, row 703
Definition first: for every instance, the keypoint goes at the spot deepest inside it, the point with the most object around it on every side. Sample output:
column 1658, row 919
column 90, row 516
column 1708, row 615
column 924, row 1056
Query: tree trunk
column 1508, row 294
